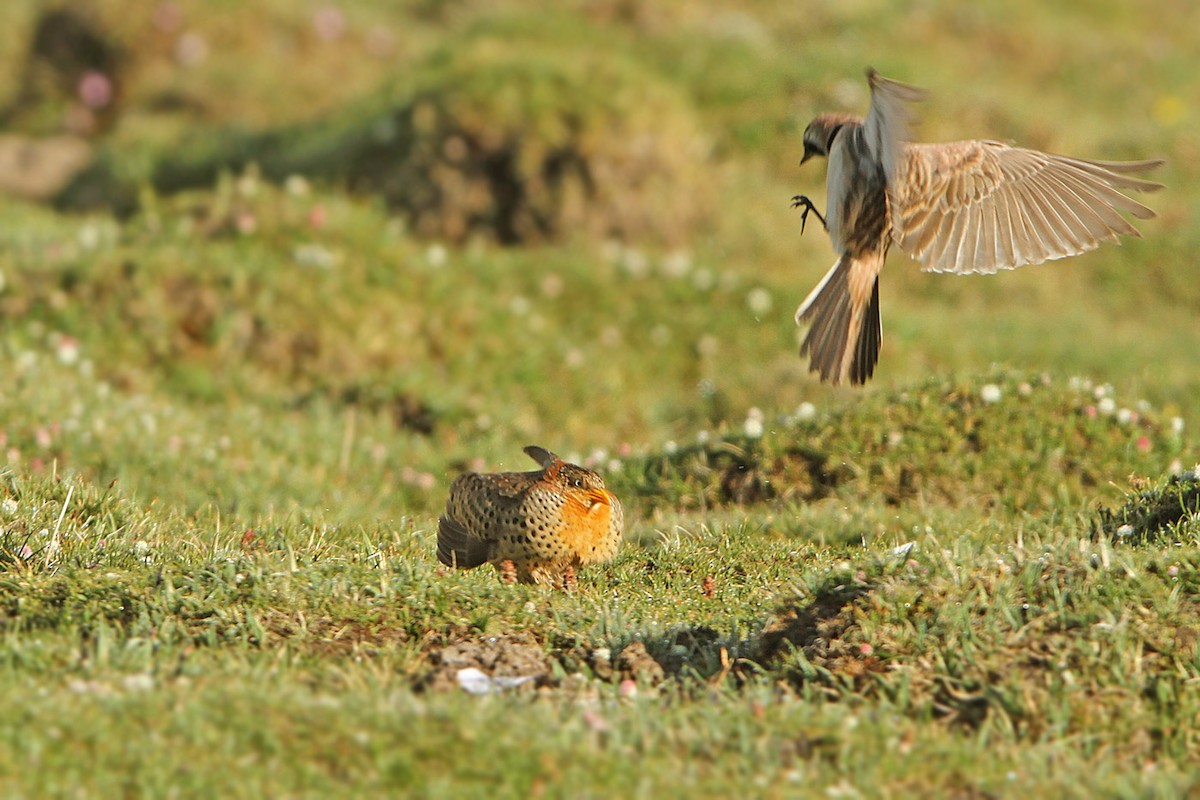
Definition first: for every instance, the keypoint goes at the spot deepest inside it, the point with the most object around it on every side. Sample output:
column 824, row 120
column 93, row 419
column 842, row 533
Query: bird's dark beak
column 807, row 155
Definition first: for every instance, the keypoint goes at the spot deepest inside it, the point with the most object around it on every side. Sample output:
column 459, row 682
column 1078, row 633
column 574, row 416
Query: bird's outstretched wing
column 888, row 119
column 983, row 206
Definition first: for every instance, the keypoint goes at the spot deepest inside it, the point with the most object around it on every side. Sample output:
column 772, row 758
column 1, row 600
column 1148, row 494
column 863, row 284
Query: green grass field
column 328, row 256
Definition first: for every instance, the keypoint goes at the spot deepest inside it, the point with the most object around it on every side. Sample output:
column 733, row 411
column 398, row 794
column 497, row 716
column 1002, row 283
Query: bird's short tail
column 456, row 547
column 843, row 310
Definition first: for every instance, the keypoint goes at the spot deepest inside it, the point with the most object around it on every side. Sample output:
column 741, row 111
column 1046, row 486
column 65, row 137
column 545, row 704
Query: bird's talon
column 801, row 201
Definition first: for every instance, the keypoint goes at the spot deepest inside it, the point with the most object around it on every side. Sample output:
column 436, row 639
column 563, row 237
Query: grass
column 232, row 409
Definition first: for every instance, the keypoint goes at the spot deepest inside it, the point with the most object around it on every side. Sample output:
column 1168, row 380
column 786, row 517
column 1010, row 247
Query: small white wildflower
column 1101, row 391
column 702, row 437
column 707, row 345
column 141, row 547
column 1024, row 389
column 990, row 393
column 88, row 237
column 519, row 305
column 67, row 349
column 670, row 447
column 753, row 426
column 1107, row 406
column 574, row 358
column 806, row 411
column 191, row 50
column 78, row 686
column 296, row 186
column 611, row 250
column 1177, row 425
column 1125, row 531
column 9, row 505
column 634, row 262
column 435, row 255
column 140, row 682
column 704, row 279
column 314, row 255
column 759, row 301
column 247, row 184
column 677, row 264
column 1124, row 416
column 614, row 465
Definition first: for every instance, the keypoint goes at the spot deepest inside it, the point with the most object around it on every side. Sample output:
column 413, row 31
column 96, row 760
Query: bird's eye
column 577, row 483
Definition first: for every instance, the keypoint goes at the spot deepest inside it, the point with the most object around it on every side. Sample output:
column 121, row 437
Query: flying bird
column 539, row 526
column 969, row 206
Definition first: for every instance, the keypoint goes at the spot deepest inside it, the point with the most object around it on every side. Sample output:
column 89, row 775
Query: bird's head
column 581, row 485
column 820, row 133
column 584, row 486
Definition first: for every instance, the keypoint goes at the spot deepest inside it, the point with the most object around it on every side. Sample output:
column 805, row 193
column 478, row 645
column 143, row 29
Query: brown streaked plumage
column 545, row 522
column 970, row 206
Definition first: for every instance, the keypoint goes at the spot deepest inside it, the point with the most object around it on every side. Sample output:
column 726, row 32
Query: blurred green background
column 280, row 270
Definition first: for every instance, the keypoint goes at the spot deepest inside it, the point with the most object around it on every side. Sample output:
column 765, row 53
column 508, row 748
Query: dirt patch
column 330, row 638
column 517, row 655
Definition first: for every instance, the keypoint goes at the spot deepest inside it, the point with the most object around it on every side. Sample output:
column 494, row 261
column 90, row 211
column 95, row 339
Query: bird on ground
column 962, row 207
column 537, row 526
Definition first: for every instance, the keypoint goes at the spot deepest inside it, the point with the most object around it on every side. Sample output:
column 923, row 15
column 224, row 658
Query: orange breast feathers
column 592, row 522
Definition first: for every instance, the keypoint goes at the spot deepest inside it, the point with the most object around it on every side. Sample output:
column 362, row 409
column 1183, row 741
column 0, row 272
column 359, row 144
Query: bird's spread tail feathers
column 457, row 548
column 843, row 310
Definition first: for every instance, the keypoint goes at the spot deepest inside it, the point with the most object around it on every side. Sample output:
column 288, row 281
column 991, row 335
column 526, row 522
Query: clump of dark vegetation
column 528, row 140
column 938, row 441
column 517, row 134
column 1169, row 509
